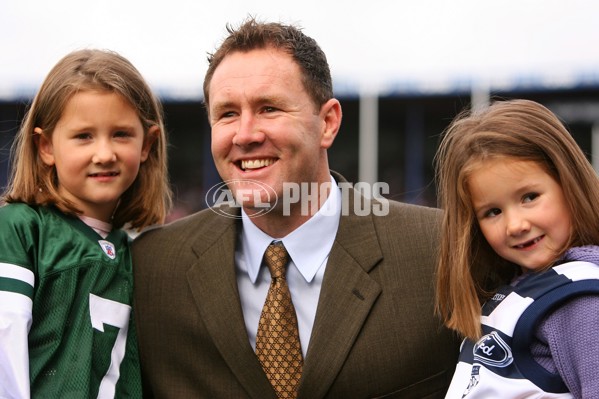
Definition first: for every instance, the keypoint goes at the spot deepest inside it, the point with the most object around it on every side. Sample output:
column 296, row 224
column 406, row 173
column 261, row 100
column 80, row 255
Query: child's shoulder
column 17, row 211
column 21, row 214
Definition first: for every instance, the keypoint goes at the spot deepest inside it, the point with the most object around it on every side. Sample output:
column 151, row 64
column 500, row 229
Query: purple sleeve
column 570, row 334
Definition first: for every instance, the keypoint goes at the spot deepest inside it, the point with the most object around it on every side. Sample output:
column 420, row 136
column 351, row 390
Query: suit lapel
column 347, row 295
column 214, row 286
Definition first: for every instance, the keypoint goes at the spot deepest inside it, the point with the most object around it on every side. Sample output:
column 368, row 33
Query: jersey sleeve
column 16, row 300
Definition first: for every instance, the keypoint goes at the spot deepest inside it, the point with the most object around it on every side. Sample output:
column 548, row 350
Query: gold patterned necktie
column 277, row 342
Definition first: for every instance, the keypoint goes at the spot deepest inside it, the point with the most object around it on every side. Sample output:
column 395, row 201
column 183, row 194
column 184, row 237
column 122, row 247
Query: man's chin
column 255, row 209
column 256, row 199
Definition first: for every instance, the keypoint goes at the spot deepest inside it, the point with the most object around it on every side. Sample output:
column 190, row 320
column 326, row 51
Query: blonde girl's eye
column 83, row 136
column 529, row 197
column 122, row 134
column 492, row 212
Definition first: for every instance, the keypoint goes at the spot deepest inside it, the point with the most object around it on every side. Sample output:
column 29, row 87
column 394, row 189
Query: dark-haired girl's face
column 521, row 211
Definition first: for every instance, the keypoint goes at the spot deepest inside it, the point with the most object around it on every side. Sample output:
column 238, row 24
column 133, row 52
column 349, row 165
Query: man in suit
column 360, row 273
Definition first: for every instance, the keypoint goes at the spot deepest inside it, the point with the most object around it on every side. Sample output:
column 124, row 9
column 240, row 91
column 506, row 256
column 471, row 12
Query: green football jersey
column 73, row 291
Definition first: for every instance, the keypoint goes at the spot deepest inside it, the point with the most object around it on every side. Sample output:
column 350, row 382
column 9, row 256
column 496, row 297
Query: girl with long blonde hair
column 520, row 236
column 89, row 159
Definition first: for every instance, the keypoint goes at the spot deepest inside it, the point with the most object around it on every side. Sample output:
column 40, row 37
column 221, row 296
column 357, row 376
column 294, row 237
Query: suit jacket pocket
column 434, row 387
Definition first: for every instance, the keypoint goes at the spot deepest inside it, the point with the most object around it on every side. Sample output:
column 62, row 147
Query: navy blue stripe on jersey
column 16, row 286
column 527, row 322
column 537, row 284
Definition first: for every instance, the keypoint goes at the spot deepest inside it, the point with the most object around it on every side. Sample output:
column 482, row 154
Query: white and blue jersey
column 500, row 364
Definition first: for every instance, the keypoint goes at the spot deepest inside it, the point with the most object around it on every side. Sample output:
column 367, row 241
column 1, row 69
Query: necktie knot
column 276, row 259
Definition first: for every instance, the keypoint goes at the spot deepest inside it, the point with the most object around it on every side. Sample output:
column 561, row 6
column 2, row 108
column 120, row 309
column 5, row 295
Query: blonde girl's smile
column 521, row 211
column 529, row 244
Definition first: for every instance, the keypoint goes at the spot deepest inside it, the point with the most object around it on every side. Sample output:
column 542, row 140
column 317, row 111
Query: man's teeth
column 256, row 163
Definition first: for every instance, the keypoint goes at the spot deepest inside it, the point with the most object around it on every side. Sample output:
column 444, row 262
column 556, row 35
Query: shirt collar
column 308, row 245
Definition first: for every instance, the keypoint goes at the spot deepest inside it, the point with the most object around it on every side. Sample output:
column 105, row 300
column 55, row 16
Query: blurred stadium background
column 402, row 70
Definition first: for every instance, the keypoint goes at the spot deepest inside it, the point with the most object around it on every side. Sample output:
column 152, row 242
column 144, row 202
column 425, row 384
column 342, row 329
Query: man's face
column 265, row 127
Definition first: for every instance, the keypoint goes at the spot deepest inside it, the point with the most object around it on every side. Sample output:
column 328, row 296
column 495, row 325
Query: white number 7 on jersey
column 104, row 311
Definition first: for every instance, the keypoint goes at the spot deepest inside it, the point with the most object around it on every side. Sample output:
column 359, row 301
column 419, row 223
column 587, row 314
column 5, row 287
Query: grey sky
column 379, row 45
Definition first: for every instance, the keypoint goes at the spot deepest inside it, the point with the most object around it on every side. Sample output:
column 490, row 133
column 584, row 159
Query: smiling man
column 267, row 128
column 348, row 311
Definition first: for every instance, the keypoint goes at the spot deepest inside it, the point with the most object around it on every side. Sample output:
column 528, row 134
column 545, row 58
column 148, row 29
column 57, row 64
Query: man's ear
column 149, row 140
column 44, row 146
column 331, row 116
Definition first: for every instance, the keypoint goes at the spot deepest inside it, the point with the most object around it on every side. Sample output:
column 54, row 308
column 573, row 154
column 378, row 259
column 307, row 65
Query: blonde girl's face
column 97, row 148
column 521, row 211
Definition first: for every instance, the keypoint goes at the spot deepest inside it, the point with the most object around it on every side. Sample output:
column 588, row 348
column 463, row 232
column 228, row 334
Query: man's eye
column 228, row 114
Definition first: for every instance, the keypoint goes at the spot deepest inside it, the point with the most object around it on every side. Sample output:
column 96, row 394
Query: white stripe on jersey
column 578, row 270
column 15, row 323
column 516, row 305
column 17, row 272
column 11, row 302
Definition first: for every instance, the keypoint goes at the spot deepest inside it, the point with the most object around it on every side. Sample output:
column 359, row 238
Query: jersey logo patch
column 108, row 248
column 493, row 351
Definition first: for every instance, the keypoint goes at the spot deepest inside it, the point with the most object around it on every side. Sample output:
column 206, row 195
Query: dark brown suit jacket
column 374, row 334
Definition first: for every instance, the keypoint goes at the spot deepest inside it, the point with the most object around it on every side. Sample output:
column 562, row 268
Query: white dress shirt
column 308, row 246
